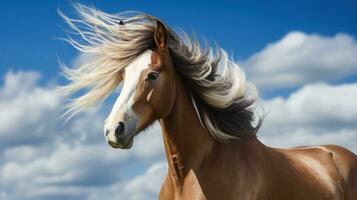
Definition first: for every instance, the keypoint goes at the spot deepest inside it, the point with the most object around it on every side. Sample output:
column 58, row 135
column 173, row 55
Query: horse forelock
column 215, row 82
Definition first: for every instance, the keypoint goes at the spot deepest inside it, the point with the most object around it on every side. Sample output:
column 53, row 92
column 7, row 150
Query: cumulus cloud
column 24, row 106
column 145, row 186
column 77, row 171
column 315, row 114
column 45, row 158
column 300, row 58
column 148, row 185
column 317, row 103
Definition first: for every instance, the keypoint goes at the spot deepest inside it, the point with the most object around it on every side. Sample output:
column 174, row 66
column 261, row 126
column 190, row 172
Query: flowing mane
column 215, row 82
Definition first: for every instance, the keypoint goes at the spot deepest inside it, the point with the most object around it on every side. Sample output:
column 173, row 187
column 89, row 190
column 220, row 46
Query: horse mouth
column 126, row 145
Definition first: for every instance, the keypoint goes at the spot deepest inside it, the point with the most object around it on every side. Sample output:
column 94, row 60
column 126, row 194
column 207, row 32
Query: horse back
column 332, row 168
column 346, row 163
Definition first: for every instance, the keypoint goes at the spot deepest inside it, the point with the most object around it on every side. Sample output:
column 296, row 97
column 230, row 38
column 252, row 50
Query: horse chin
column 127, row 145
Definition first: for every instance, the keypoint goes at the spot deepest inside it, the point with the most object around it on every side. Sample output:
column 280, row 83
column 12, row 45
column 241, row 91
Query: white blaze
column 122, row 109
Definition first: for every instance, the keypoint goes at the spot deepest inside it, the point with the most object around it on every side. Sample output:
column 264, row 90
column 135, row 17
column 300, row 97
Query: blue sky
column 29, row 28
column 301, row 55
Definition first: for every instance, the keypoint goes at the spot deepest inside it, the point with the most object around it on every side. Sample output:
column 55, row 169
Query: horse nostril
column 120, row 129
column 106, row 132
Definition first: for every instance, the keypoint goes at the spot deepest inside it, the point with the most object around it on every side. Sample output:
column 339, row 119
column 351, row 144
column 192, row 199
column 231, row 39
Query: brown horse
column 205, row 116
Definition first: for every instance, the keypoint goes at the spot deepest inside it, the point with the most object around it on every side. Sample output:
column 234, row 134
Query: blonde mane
column 216, row 83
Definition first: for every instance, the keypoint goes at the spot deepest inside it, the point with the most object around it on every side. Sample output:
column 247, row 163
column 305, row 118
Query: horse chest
column 203, row 188
column 191, row 189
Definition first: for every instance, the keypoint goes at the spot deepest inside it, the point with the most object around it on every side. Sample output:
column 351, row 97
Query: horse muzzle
column 121, row 137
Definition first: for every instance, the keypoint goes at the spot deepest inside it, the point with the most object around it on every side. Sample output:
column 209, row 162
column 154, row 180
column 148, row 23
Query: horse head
column 148, row 93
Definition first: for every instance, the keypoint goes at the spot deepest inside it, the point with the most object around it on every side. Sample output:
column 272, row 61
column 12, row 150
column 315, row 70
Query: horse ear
column 160, row 35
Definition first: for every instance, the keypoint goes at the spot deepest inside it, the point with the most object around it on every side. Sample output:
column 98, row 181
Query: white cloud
column 317, row 103
column 75, row 170
column 24, row 107
column 22, row 154
column 148, row 185
column 16, row 83
column 310, row 137
column 315, row 114
column 45, row 158
column 300, row 58
column 145, row 186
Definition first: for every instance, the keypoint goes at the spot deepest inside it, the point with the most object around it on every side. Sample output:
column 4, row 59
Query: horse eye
column 152, row 76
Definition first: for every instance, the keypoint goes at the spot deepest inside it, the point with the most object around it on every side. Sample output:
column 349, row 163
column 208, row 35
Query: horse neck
column 186, row 141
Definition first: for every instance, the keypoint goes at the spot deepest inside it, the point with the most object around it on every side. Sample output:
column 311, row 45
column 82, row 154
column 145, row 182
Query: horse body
column 247, row 169
column 205, row 116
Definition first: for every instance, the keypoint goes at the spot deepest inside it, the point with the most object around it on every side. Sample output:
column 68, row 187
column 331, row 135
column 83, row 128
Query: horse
column 200, row 98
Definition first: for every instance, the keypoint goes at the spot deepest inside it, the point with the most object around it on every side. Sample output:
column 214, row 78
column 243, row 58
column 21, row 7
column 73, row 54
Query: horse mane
column 216, row 83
